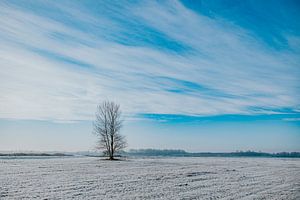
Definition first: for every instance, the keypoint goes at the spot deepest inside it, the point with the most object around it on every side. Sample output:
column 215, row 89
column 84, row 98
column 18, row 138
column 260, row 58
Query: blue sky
column 196, row 75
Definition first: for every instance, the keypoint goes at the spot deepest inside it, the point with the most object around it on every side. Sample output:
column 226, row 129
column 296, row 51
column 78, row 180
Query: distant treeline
column 34, row 154
column 168, row 152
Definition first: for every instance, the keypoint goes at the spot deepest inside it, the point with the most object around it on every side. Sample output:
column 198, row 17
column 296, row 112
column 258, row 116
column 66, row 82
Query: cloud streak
column 149, row 57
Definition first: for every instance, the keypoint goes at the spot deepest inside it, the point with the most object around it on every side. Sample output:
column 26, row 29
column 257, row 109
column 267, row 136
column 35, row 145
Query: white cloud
column 291, row 119
column 237, row 71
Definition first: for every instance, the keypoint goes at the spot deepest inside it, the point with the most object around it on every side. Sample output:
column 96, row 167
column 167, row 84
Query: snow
column 150, row 178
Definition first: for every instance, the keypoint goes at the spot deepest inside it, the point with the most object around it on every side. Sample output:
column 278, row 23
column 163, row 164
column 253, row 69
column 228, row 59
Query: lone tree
column 107, row 127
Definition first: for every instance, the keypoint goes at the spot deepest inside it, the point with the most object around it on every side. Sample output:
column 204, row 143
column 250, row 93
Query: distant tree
column 107, row 127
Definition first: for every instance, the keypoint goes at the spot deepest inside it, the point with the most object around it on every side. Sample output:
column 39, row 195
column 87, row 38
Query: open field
column 150, row 178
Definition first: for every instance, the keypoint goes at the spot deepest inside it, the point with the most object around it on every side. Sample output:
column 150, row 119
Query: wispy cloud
column 291, row 119
column 150, row 57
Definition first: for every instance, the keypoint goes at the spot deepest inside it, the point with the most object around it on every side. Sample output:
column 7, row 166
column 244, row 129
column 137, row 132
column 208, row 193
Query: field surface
column 150, row 178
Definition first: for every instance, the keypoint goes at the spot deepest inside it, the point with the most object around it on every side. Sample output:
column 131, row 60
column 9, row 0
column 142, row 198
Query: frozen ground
column 157, row 178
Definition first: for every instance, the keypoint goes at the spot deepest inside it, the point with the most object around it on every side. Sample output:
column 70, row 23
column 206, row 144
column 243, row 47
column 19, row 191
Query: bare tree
column 107, row 127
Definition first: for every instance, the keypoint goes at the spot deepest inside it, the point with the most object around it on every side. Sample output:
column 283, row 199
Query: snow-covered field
column 151, row 178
